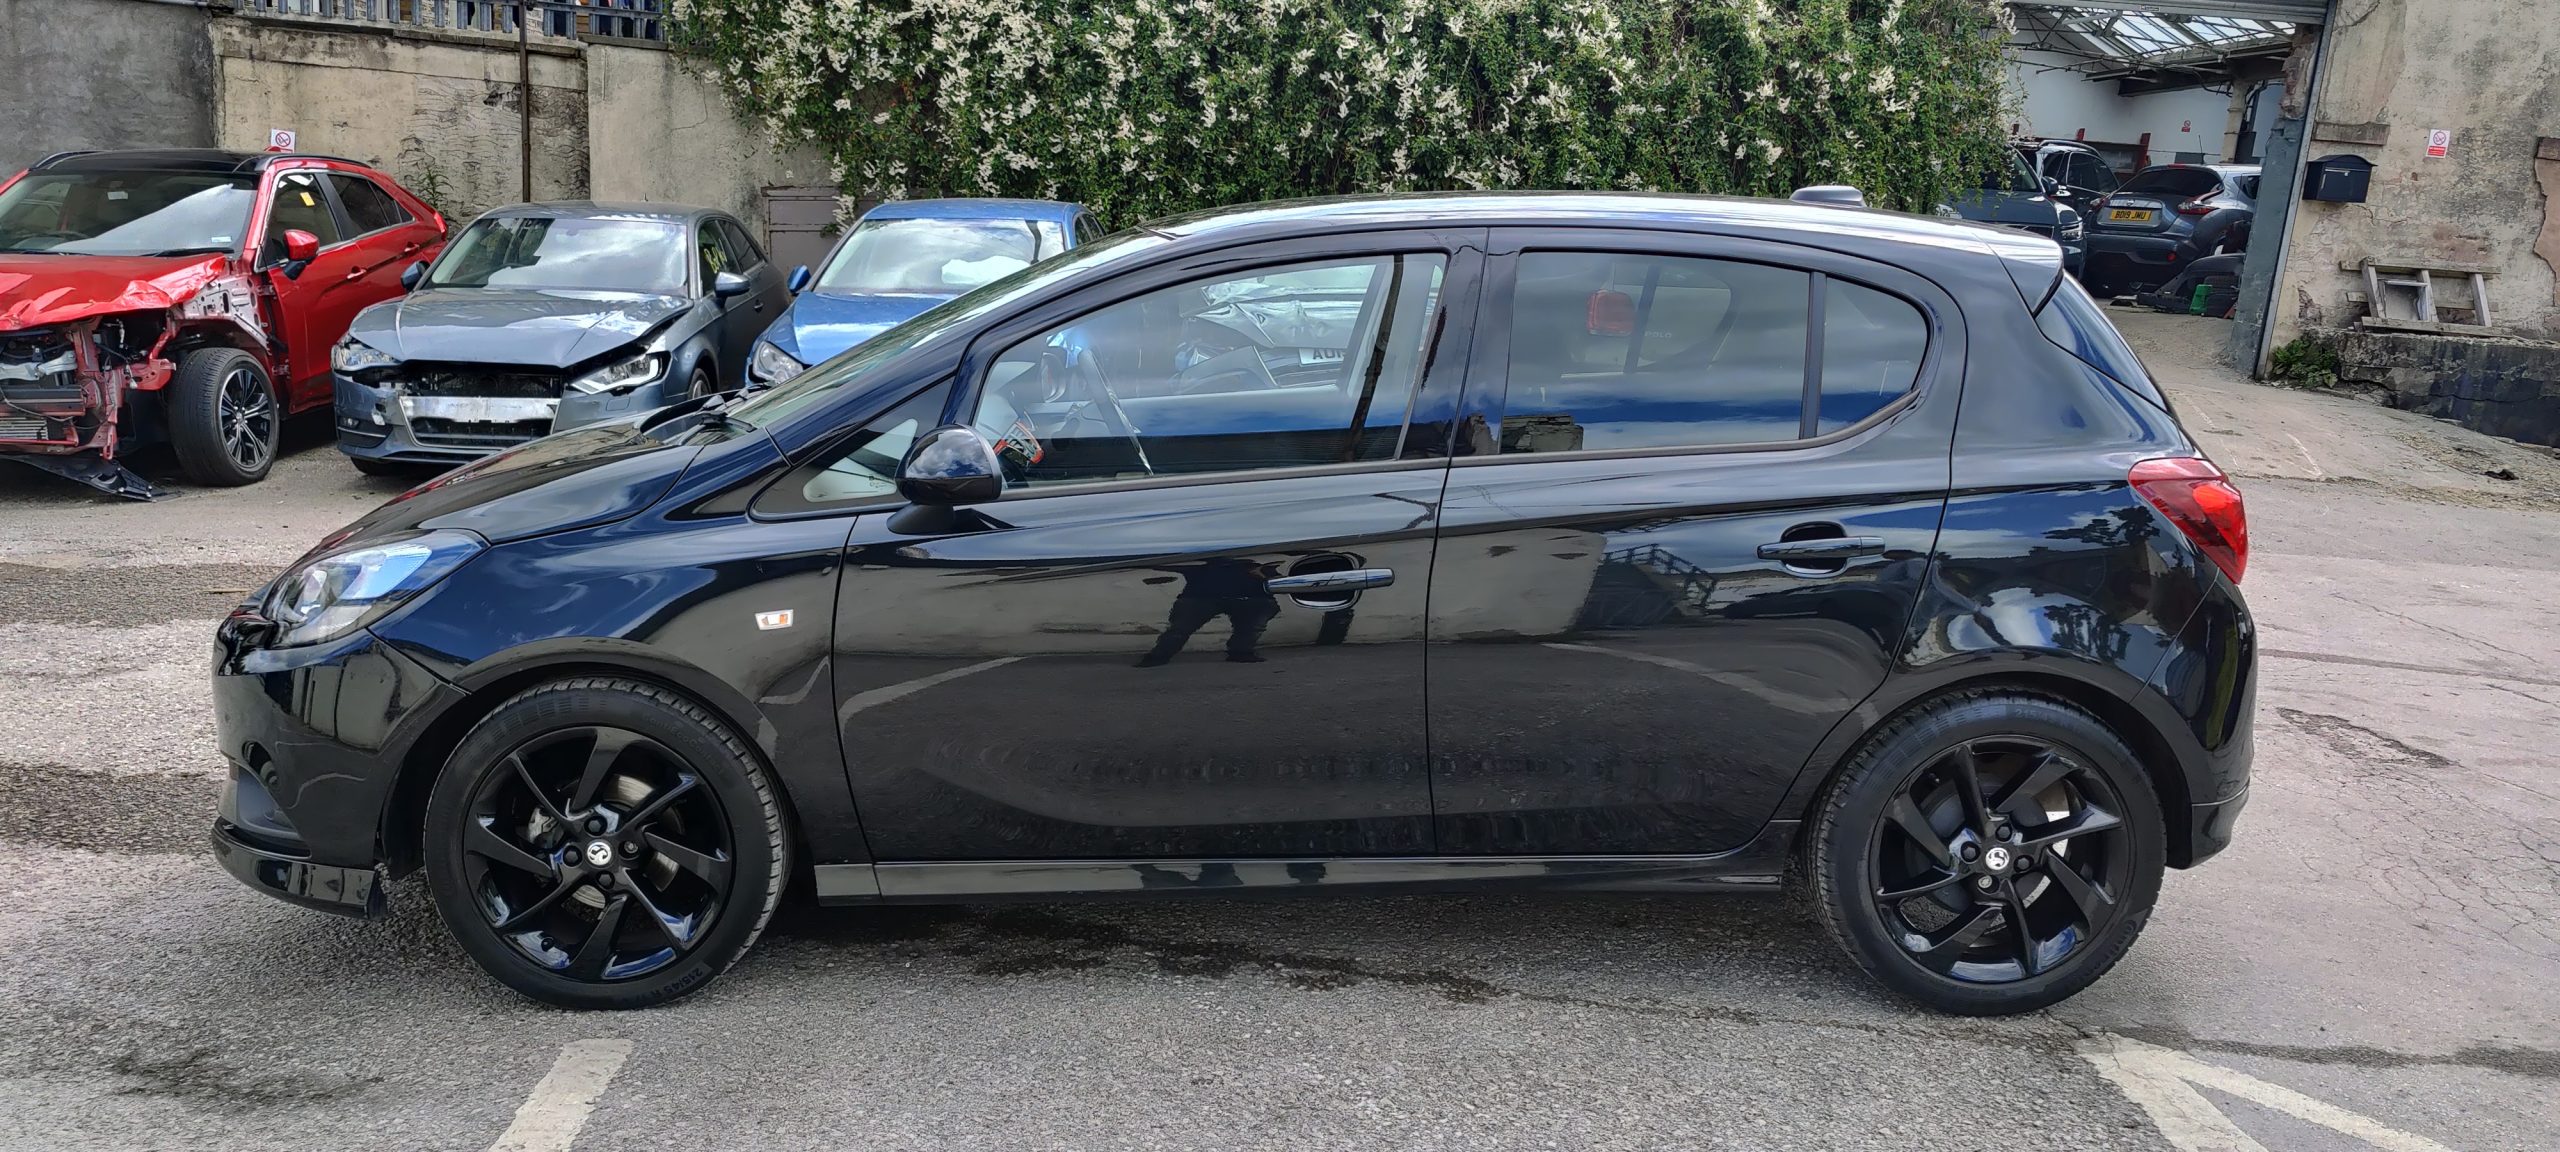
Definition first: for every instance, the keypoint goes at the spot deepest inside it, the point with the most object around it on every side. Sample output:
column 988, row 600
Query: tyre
column 604, row 843
column 702, row 383
column 1988, row 853
column 224, row 421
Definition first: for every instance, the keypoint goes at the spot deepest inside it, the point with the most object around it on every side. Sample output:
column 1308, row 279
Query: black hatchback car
column 1570, row 541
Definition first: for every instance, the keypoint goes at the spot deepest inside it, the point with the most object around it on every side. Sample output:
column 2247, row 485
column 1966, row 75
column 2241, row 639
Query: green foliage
column 2307, row 360
column 1140, row 108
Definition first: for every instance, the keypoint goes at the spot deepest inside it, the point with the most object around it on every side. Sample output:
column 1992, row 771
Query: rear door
column 1684, row 536
column 1193, row 626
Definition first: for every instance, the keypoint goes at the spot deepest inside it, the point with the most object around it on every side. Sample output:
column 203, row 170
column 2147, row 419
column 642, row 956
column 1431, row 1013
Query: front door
column 1685, row 539
column 1193, row 626
column 315, row 306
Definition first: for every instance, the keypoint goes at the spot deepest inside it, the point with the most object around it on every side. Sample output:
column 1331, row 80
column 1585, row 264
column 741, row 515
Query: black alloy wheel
column 1990, row 853
column 604, row 844
column 2000, row 860
column 597, row 853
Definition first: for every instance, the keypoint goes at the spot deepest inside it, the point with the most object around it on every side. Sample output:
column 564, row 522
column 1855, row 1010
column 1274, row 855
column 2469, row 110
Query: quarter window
column 1620, row 352
column 864, row 468
column 369, row 208
column 1283, row 367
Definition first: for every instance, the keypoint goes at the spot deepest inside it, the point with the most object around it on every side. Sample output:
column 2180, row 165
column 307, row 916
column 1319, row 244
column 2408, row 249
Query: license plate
column 2128, row 215
column 479, row 409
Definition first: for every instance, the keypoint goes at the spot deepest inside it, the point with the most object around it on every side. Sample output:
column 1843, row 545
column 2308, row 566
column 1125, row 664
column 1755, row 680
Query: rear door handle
column 1351, row 581
column 1824, row 548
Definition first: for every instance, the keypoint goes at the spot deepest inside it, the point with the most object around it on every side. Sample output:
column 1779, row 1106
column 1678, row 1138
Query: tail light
column 2101, row 201
column 1610, row 314
column 2196, row 207
column 2203, row 503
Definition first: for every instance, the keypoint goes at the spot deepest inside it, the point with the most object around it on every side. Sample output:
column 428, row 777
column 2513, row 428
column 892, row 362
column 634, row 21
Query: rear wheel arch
column 2159, row 762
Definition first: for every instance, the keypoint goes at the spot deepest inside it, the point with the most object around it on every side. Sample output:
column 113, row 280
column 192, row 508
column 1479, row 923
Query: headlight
column 773, row 365
column 353, row 355
column 2072, row 228
column 329, row 597
column 623, row 373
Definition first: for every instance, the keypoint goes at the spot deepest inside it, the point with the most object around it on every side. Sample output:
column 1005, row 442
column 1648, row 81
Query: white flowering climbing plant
column 1140, row 108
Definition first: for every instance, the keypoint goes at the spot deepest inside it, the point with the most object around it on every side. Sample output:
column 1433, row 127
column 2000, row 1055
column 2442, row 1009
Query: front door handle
column 1350, row 581
column 1823, row 548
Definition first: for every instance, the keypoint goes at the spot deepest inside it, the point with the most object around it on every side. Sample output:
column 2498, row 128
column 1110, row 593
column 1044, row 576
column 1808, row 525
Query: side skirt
column 1755, row 867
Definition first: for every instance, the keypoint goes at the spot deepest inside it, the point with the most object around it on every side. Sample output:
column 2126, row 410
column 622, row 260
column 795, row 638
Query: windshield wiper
column 198, row 250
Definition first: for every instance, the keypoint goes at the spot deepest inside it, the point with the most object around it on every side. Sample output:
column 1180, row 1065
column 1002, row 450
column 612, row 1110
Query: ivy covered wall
column 1144, row 107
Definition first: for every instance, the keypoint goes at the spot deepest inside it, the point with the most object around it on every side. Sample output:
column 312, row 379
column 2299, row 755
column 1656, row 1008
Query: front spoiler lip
column 325, row 887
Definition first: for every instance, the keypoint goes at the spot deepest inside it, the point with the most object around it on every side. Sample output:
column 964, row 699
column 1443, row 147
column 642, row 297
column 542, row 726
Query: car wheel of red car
column 223, row 418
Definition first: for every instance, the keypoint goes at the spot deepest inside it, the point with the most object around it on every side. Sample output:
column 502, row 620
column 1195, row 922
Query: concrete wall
column 101, row 74
column 657, row 130
column 435, row 109
column 2058, row 102
column 2482, row 69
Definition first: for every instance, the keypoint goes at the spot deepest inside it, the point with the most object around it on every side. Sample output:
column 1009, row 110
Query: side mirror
column 412, row 275
column 799, row 281
column 949, row 467
column 729, row 284
column 2052, row 187
column 300, row 248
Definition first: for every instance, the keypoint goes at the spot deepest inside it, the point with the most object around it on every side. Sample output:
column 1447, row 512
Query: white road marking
column 551, row 1117
column 2316, row 473
column 879, row 696
column 2160, row 1080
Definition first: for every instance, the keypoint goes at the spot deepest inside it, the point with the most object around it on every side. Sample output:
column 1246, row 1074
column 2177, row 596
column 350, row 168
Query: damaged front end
column 448, row 413
column 63, row 392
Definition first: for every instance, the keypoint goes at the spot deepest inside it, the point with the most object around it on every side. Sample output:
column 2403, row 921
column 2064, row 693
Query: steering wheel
column 1086, row 377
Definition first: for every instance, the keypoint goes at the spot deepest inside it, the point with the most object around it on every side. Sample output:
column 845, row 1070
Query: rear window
column 2181, row 182
column 2074, row 322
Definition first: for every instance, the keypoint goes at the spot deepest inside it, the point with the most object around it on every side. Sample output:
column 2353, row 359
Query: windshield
column 140, row 213
column 938, row 257
column 605, row 254
column 2013, row 176
column 855, row 368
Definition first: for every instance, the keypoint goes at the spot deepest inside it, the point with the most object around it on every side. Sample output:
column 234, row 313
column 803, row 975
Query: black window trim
column 1452, row 245
column 1490, row 369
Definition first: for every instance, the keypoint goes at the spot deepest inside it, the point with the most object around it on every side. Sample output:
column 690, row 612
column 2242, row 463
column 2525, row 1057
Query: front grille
column 21, row 428
column 439, row 433
column 472, row 380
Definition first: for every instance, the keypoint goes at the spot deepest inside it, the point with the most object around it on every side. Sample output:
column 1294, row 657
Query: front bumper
column 315, row 737
column 374, row 423
column 2209, row 826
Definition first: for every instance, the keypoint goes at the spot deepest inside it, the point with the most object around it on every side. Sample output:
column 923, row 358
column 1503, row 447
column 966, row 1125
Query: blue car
column 904, row 257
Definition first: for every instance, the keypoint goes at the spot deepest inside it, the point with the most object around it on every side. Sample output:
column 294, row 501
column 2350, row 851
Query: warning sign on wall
column 2439, row 141
column 279, row 139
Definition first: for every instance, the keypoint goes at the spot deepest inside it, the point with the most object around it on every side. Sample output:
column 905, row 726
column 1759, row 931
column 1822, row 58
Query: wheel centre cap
column 599, row 853
column 1995, row 858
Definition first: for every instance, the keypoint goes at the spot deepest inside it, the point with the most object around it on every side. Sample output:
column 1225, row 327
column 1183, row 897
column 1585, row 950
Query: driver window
column 714, row 258
column 1282, row 367
column 301, row 204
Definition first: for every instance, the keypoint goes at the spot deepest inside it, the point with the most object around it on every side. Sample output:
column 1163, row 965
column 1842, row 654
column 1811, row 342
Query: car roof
column 1602, row 209
column 218, row 160
column 974, row 208
column 599, row 209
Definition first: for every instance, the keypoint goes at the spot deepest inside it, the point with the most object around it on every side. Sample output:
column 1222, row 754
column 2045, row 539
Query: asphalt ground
column 2375, row 963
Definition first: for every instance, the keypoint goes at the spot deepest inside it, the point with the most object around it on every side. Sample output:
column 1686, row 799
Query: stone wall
column 437, row 110
column 2507, row 388
column 657, row 130
column 101, row 74
column 2395, row 69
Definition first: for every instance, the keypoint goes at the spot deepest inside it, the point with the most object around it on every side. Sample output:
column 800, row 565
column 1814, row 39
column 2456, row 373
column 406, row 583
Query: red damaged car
column 190, row 296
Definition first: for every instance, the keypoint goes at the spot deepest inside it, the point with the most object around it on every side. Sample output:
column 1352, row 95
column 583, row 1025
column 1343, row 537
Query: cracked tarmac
column 2384, row 936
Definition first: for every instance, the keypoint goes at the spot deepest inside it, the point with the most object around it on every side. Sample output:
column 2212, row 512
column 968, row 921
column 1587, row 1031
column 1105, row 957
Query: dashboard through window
column 1282, row 367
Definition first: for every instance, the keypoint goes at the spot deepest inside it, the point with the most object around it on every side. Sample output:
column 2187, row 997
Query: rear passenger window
column 1613, row 351
column 369, row 208
column 1871, row 349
